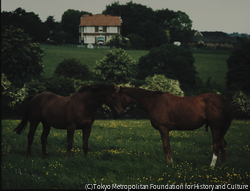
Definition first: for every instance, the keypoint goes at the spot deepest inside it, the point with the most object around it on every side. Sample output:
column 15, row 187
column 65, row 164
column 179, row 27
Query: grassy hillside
column 55, row 54
column 207, row 63
column 127, row 152
column 211, row 64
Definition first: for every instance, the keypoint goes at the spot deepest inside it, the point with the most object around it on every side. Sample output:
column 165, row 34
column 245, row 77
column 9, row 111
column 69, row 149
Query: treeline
column 65, row 31
column 148, row 28
column 144, row 27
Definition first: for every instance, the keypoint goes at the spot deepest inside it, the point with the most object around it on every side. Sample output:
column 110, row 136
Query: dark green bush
column 36, row 86
column 73, row 68
column 173, row 62
column 241, row 103
column 60, row 85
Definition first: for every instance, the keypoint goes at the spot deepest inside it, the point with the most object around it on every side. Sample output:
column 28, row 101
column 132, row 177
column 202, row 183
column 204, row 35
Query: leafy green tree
column 72, row 68
column 137, row 20
column 151, row 26
column 118, row 41
column 241, row 103
column 50, row 22
column 70, row 24
column 21, row 60
column 28, row 21
column 239, row 69
column 180, row 27
column 116, row 67
column 136, row 41
column 172, row 61
column 161, row 83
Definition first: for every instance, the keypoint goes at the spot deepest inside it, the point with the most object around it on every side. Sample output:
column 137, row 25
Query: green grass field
column 53, row 55
column 207, row 63
column 123, row 152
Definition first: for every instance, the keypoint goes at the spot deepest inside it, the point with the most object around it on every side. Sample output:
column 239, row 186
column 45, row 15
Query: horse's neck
column 137, row 98
column 93, row 101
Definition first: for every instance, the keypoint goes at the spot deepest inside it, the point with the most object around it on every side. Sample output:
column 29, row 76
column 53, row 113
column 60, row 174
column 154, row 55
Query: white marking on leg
column 213, row 162
column 172, row 160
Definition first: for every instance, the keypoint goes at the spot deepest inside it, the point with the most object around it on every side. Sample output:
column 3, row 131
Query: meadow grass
column 127, row 152
column 212, row 64
column 208, row 63
column 53, row 55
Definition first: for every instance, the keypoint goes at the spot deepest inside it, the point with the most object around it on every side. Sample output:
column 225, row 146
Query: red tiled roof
column 100, row 20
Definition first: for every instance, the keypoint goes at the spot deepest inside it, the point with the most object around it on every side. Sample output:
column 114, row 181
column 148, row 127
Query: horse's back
column 40, row 105
column 191, row 112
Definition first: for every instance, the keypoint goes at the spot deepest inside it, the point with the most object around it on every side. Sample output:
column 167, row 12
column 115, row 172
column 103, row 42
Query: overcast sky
column 207, row 15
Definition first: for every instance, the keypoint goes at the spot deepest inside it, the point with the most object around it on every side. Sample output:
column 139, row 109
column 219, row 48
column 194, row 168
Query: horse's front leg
column 166, row 144
column 70, row 136
column 85, row 136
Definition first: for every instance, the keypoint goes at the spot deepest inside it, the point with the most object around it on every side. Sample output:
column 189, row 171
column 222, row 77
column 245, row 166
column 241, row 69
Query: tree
column 50, row 22
column 70, row 24
column 72, row 68
column 151, row 26
column 28, row 21
column 239, row 69
column 180, row 27
column 116, row 67
column 136, row 21
column 118, row 41
column 172, row 61
column 21, row 60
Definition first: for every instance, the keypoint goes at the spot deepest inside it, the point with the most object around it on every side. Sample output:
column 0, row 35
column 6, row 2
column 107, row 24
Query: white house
column 98, row 29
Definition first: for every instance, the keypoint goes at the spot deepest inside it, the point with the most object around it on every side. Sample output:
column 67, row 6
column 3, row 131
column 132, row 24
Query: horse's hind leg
column 70, row 136
column 33, row 127
column 85, row 135
column 216, row 145
column 46, row 130
column 223, row 150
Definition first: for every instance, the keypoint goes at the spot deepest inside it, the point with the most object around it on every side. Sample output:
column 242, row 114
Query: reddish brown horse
column 73, row 112
column 170, row 112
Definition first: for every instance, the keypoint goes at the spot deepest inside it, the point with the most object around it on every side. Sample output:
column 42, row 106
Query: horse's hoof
column 170, row 162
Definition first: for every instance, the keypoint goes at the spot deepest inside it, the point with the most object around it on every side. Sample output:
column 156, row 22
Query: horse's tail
column 25, row 119
column 228, row 116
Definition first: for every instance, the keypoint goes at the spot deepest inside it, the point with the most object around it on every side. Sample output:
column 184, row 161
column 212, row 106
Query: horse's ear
column 116, row 87
column 120, row 89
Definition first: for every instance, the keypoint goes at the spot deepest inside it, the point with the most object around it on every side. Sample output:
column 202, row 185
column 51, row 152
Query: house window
column 112, row 29
column 89, row 29
column 100, row 29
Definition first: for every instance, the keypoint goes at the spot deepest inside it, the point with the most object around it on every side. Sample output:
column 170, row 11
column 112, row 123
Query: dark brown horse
column 73, row 112
column 170, row 112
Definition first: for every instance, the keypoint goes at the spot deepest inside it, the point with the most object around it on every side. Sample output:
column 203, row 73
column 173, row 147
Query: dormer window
column 101, row 29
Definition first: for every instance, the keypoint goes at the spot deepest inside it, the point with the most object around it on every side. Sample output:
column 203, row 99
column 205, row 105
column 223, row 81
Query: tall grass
column 127, row 152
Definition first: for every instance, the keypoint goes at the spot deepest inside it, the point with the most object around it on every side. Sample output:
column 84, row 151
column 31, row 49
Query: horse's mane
column 144, row 92
column 95, row 87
